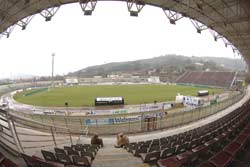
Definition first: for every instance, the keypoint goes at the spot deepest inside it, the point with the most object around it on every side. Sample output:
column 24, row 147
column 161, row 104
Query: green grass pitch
column 79, row 96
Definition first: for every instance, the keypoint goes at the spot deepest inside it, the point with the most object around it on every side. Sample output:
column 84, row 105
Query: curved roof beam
column 88, row 6
column 229, row 18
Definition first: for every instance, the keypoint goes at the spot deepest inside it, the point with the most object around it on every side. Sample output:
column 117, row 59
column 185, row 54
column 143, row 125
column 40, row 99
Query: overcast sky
column 109, row 35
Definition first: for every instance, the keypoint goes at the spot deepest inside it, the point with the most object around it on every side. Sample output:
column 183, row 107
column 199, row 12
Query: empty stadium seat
column 220, row 79
column 205, row 164
column 72, row 152
column 143, row 149
column 218, row 142
column 150, row 156
column 8, row 163
column 30, row 162
column 167, row 152
column 233, row 148
column 43, row 163
column 64, row 159
column 2, row 157
column 81, row 161
column 59, row 150
column 221, row 159
column 68, row 148
column 49, row 156
column 88, row 154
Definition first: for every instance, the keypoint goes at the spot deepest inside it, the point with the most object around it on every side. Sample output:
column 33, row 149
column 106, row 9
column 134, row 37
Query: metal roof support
column 215, row 34
column 226, row 42
column 8, row 31
column 23, row 23
column 88, row 6
column 49, row 13
column 236, row 51
column 199, row 26
column 172, row 15
column 135, row 7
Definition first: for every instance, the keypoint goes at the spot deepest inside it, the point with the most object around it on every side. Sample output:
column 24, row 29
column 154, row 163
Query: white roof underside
column 230, row 18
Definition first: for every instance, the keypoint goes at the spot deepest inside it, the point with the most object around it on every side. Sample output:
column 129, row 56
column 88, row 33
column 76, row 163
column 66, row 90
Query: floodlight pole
column 52, row 73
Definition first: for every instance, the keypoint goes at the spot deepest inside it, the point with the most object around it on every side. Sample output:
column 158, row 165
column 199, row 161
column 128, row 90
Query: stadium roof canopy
column 228, row 20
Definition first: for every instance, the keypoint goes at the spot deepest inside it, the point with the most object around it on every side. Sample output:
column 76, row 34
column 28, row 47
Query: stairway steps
column 113, row 157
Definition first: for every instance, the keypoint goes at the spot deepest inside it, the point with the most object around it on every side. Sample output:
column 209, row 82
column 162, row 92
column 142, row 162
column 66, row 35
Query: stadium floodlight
column 24, row 22
column 172, row 21
column 48, row 18
column 215, row 34
column 133, row 13
column 134, row 7
column 199, row 26
column 8, row 31
column 52, row 72
column 172, row 15
column 88, row 6
column 23, row 27
column 66, row 105
column 88, row 13
column 198, row 30
column 49, row 13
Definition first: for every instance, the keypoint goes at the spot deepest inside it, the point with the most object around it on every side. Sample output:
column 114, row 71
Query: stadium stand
column 5, row 162
column 70, row 156
column 218, row 79
column 216, row 144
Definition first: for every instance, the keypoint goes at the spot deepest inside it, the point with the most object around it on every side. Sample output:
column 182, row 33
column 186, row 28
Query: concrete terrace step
column 116, row 157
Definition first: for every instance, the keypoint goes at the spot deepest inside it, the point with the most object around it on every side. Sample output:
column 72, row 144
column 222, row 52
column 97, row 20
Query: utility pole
column 52, row 73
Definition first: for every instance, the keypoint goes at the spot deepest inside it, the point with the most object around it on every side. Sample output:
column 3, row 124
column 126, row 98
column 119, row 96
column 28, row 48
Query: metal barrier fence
column 133, row 122
column 21, row 134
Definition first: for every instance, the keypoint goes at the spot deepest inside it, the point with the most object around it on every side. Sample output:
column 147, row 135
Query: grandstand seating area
column 5, row 162
column 217, row 144
column 70, row 156
column 214, row 145
column 218, row 79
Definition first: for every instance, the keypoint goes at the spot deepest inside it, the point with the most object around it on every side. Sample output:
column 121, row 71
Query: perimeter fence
column 132, row 122
column 28, row 133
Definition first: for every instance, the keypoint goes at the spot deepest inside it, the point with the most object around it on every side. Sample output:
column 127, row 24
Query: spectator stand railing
column 132, row 122
column 23, row 135
column 27, row 133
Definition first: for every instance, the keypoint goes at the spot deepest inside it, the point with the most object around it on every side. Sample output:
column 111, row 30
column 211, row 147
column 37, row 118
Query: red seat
column 30, row 161
column 175, row 161
column 241, row 139
column 150, row 157
column 2, row 157
column 245, row 132
column 168, row 162
column 210, row 142
column 232, row 148
column 184, row 155
column 247, row 129
column 47, row 164
column 199, row 148
column 221, row 159
column 206, row 164
column 8, row 163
